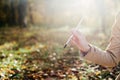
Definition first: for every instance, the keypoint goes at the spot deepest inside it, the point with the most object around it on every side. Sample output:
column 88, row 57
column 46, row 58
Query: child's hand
column 80, row 41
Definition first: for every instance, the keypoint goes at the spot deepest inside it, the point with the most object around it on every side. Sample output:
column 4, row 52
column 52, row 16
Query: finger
column 75, row 39
column 73, row 42
column 76, row 33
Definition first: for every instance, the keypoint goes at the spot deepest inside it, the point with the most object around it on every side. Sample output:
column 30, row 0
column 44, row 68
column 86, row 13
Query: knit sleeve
column 111, row 56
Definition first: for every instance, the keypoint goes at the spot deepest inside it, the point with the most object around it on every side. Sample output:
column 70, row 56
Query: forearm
column 101, row 57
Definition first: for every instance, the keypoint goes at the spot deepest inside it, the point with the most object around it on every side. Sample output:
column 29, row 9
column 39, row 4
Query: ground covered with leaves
column 36, row 53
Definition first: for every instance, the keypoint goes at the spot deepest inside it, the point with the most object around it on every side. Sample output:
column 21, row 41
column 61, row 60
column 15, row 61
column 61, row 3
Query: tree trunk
column 22, row 11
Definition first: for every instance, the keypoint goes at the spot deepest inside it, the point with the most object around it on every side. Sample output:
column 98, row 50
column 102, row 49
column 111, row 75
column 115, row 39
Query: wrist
column 88, row 47
column 87, row 50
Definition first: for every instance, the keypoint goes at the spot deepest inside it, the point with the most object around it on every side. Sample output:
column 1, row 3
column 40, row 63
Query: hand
column 80, row 41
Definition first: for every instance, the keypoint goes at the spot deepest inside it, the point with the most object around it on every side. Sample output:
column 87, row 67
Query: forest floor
column 36, row 53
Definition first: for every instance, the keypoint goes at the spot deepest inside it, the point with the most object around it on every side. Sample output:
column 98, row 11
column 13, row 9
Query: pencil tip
column 65, row 45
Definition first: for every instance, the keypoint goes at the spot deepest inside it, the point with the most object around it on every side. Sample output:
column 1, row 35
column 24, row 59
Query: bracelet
column 85, row 53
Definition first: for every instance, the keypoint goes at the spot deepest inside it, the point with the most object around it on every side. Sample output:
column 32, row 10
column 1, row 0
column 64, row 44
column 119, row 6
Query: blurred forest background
column 33, row 33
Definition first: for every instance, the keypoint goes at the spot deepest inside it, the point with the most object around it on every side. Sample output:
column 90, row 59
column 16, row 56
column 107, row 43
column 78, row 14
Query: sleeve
column 111, row 56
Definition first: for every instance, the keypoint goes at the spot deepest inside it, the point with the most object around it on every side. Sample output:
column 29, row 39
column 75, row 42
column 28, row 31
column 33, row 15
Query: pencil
column 69, row 39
